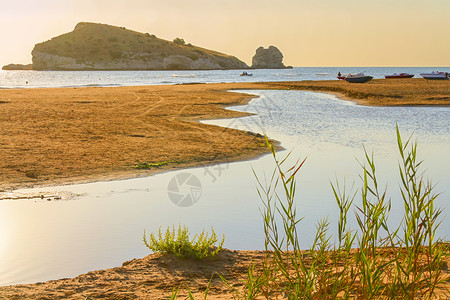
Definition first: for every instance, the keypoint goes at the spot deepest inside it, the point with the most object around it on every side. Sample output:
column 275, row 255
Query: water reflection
column 103, row 225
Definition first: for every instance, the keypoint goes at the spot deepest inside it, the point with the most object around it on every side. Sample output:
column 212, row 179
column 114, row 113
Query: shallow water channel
column 100, row 225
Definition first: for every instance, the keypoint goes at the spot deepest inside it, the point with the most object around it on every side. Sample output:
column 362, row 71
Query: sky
column 308, row 32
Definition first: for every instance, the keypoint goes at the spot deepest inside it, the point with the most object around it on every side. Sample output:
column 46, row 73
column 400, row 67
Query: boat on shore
column 341, row 76
column 357, row 78
column 401, row 75
column 436, row 75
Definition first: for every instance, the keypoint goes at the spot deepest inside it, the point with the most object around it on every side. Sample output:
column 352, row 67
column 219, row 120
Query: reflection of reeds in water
column 401, row 263
column 404, row 262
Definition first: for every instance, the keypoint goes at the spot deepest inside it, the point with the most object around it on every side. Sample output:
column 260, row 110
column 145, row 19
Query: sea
column 101, row 224
column 39, row 79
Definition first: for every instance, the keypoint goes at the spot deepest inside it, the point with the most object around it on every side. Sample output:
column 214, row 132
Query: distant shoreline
column 30, row 68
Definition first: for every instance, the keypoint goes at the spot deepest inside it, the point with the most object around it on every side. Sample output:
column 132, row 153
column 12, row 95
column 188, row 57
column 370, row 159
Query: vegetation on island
column 94, row 45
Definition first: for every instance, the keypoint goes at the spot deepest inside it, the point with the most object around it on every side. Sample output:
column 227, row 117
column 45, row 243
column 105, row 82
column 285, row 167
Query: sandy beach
column 81, row 134
column 152, row 277
column 155, row 276
column 64, row 135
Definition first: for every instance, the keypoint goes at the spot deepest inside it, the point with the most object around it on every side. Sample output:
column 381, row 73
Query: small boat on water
column 246, row 74
column 436, row 75
column 357, row 78
column 401, row 75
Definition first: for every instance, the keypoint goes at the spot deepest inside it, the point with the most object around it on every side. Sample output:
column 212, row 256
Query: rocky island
column 18, row 67
column 270, row 58
column 92, row 46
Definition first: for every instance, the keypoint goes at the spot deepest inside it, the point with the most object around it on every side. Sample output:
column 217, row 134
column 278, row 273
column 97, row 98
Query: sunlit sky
column 308, row 32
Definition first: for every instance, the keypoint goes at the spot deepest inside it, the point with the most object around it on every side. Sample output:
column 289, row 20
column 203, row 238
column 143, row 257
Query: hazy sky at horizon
column 308, row 32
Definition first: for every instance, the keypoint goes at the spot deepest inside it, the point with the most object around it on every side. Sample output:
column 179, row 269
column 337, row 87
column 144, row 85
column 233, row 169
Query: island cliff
column 92, row 46
column 270, row 58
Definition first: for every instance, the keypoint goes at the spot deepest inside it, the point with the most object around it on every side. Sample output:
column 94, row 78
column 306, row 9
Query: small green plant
column 150, row 165
column 178, row 242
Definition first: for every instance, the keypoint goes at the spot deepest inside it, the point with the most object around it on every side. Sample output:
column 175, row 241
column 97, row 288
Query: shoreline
column 183, row 106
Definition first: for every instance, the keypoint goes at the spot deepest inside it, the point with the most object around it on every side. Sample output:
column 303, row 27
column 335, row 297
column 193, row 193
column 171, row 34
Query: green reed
column 370, row 262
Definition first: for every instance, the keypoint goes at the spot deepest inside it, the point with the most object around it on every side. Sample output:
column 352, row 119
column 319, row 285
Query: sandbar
column 71, row 135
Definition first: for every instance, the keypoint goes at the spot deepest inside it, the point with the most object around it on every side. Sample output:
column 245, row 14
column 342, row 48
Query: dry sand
column 52, row 136
column 152, row 277
column 155, row 277
column 61, row 135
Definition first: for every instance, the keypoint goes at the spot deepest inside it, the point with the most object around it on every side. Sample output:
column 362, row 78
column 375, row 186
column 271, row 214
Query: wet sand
column 66, row 135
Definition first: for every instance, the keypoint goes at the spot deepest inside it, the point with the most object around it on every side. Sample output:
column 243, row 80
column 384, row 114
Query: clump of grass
column 371, row 262
column 150, row 165
column 178, row 242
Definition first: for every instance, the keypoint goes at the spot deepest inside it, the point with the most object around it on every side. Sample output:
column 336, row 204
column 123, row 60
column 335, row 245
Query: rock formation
column 18, row 67
column 92, row 46
column 270, row 58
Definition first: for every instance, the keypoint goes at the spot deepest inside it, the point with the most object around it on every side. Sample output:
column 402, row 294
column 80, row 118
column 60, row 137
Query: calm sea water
column 102, row 225
column 33, row 79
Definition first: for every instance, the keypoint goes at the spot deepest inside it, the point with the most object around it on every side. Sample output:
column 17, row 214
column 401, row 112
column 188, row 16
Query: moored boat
column 401, row 75
column 436, row 75
column 341, row 76
column 358, row 78
column 246, row 74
